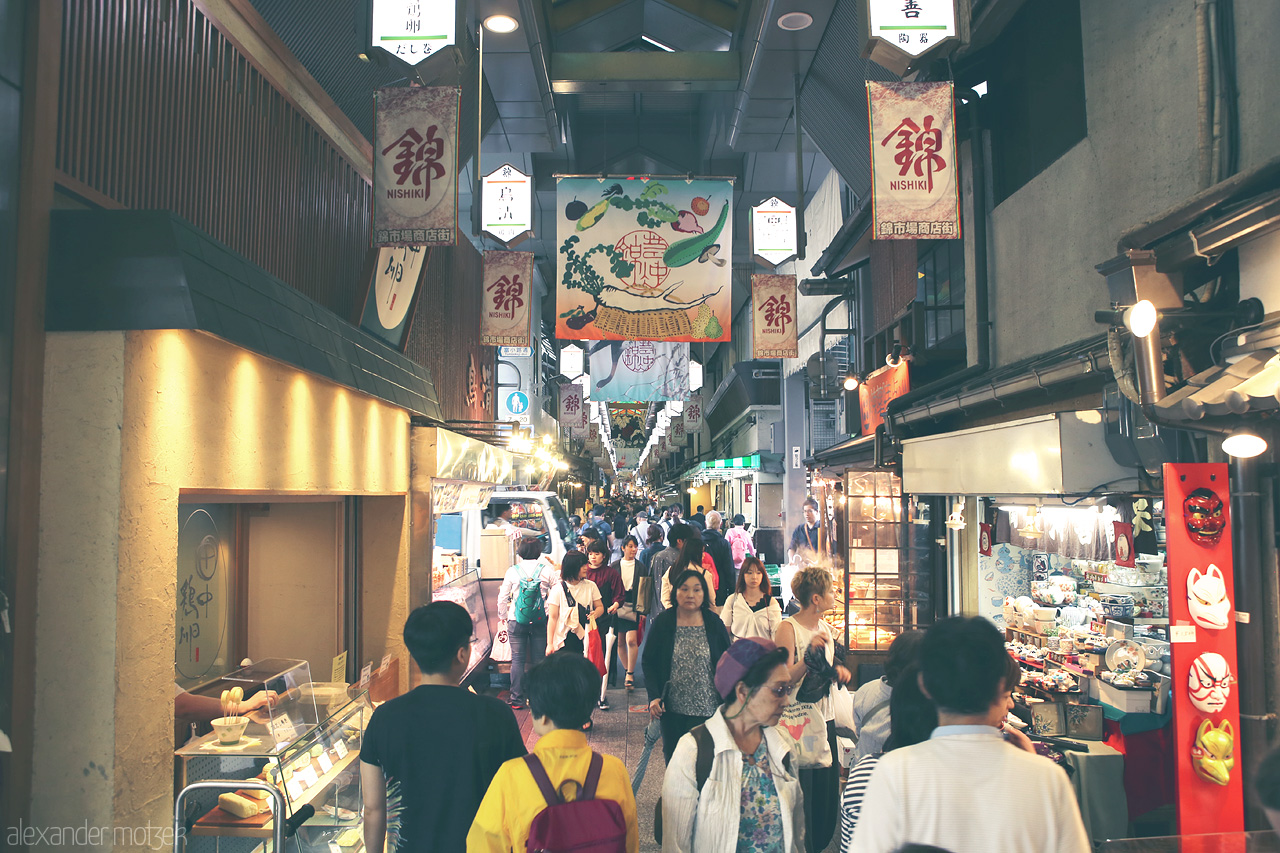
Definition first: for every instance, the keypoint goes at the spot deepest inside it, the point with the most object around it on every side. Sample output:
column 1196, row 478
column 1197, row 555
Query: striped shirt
column 851, row 801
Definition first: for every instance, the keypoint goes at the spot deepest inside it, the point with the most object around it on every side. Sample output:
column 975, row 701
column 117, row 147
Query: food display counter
column 306, row 744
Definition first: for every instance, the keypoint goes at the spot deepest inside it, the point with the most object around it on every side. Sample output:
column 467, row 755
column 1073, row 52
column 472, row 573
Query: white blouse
column 584, row 592
column 742, row 621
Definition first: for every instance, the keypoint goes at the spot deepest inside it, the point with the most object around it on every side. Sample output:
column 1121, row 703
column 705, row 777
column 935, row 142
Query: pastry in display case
column 306, row 744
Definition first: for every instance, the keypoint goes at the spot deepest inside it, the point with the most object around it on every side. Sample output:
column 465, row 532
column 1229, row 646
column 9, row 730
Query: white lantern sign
column 773, row 233
column 506, row 204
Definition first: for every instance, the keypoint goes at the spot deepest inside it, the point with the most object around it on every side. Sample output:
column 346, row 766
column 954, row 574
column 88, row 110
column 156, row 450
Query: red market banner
column 573, row 411
column 881, row 388
column 415, row 166
column 1202, row 632
column 504, row 308
column 915, row 191
column 693, row 413
column 773, row 316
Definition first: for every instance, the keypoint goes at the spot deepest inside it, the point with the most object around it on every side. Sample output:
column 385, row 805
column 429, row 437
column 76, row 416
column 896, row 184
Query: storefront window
column 206, row 601
column 876, row 600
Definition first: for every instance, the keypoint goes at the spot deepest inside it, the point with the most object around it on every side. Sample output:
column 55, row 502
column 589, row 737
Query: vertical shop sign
column 901, row 31
column 413, row 30
column 573, row 411
column 773, row 233
column 693, row 413
column 504, row 311
column 773, row 316
column 506, row 205
column 393, row 293
column 642, row 259
column 415, row 166
column 915, row 193
column 677, row 431
column 1206, row 709
column 882, row 387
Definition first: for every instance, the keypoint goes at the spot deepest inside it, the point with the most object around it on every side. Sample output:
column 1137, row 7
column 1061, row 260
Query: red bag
column 595, row 649
column 584, row 825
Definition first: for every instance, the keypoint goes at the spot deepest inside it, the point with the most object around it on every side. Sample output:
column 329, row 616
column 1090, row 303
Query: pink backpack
column 582, row 825
column 740, row 543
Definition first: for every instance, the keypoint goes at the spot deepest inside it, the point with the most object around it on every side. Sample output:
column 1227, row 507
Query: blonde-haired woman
column 815, row 593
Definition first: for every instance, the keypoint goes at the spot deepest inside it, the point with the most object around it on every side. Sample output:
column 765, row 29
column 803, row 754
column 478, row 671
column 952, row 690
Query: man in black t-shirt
column 428, row 756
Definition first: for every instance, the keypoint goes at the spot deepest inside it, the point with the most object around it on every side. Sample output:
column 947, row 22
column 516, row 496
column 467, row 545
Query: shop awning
column 738, row 466
column 1059, row 454
column 1251, row 384
column 133, row 270
column 860, row 449
column 461, row 472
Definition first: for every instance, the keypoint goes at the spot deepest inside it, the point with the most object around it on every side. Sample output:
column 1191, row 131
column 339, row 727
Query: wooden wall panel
column 158, row 109
column 445, row 336
column 893, row 280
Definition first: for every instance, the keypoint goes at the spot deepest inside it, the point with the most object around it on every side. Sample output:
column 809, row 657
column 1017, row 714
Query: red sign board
column 1202, row 629
column 882, row 387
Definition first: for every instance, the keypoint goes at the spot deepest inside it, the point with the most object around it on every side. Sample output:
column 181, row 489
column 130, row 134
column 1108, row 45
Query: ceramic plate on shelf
column 1125, row 654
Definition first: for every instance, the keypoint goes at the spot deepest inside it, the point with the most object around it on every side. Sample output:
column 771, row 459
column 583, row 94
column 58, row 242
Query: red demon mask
column 1203, row 513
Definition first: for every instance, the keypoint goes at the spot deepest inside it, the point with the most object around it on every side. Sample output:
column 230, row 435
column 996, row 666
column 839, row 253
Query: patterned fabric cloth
column 760, row 824
column 691, row 690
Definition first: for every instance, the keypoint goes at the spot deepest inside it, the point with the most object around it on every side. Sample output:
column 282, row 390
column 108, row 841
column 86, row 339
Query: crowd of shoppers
column 933, row 752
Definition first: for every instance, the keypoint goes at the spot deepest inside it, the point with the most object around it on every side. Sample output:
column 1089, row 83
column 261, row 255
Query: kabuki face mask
column 1209, row 684
column 1207, row 598
column 1203, row 513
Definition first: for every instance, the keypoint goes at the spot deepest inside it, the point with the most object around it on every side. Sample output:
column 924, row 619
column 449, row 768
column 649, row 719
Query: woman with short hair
column 751, row 800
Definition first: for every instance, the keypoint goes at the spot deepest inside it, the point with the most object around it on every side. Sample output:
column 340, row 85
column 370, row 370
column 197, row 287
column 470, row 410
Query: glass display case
column 308, row 745
column 877, row 608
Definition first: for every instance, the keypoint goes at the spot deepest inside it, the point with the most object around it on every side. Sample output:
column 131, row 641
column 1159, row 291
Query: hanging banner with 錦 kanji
column 693, row 413
column 677, row 431
column 638, row 371
column 773, row 316
column 504, row 307
column 415, row 166
column 626, row 425
column 644, row 259
column 915, row 193
column 573, row 411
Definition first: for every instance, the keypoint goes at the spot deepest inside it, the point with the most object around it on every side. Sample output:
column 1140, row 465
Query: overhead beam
column 714, row 12
column 682, row 71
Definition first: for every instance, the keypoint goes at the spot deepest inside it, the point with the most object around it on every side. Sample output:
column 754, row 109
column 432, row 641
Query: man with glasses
column 411, row 739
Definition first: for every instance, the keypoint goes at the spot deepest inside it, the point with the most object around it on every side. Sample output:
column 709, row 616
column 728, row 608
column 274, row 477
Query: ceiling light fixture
column 501, row 24
column 851, row 382
column 1244, row 443
column 795, row 21
column 659, row 45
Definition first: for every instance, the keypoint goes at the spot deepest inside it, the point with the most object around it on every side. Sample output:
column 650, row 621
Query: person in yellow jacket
column 562, row 692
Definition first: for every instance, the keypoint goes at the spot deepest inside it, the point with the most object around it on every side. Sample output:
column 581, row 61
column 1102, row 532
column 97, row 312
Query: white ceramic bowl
column 229, row 729
column 1045, row 614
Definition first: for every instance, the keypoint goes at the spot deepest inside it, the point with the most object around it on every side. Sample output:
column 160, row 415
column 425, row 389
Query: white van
column 540, row 512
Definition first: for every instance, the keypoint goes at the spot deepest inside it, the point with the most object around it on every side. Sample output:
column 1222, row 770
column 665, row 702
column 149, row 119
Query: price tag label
column 365, row 674
column 282, row 729
column 339, row 671
column 1182, row 633
column 341, row 749
column 325, row 764
column 294, row 788
column 1242, row 617
column 309, row 777
column 386, row 662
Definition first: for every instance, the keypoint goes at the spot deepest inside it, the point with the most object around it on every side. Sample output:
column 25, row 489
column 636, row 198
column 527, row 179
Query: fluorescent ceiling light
column 657, row 44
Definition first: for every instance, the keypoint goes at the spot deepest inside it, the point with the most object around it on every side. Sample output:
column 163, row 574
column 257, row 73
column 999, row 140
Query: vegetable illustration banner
column 415, row 166
column 644, row 259
column 504, row 318
column 638, row 371
column 626, row 425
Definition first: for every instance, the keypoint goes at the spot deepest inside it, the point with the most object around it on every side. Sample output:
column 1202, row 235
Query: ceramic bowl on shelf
column 1117, row 606
column 1045, row 614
